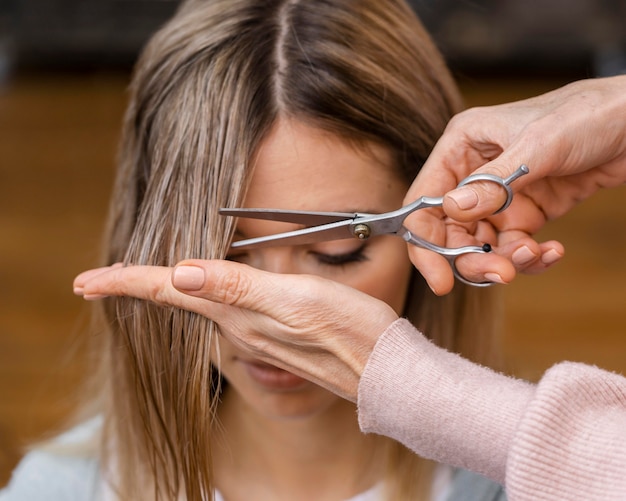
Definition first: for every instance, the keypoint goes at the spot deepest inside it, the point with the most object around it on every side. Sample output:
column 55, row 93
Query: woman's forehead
column 299, row 166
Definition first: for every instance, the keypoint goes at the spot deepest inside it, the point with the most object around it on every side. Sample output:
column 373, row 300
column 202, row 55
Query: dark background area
column 64, row 68
column 578, row 37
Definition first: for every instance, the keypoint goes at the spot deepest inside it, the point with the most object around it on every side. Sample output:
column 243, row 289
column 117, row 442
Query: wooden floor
column 57, row 148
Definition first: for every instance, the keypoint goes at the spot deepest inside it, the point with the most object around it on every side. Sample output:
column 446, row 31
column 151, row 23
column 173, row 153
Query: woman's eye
column 355, row 256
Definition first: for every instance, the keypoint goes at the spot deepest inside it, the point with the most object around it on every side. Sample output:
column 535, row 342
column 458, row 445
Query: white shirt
column 63, row 473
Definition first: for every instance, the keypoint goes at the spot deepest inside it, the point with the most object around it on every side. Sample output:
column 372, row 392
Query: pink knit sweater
column 562, row 439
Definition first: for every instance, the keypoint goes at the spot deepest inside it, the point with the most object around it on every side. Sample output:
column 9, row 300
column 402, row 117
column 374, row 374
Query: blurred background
column 64, row 68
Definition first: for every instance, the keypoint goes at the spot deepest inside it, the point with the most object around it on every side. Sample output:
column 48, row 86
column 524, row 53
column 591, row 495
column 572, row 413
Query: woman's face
column 304, row 168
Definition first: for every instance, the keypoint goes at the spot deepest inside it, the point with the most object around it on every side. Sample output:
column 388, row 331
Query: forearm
column 571, row 443
column 561, row 439
column 440, row 405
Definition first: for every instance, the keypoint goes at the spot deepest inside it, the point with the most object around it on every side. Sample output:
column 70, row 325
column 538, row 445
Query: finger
column 551, row 253
column 527, row 255
column 480, row 199
column 474, row 267
column 428, row 225
column 480, row 267
column 532, row 262
column 434, row 268
column 228, row 283
column 236, row 284
column 490, row 267
column 141, row 282
column 83, row 277
column 151, row 283
column 155, row 284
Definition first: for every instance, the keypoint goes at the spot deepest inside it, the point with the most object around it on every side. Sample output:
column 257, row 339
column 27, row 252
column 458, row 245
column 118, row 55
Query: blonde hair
column 205, row 91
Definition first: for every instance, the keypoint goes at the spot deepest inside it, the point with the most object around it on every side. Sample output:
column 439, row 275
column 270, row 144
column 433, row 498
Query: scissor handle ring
column 450, row 254
column 505, row 183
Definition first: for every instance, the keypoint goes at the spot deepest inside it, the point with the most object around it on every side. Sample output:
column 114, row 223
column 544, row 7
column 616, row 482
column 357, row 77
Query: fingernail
column 465, row 198
column 523, row 255
column 494, row 277
column 550, row 257
column 190, row 278
column 78, row 291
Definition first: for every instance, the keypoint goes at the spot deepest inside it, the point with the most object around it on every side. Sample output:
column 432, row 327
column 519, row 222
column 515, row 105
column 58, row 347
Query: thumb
column 223, row 282
column 485, row 192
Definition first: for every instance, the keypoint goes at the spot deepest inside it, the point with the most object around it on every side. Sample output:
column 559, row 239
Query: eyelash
column 356, row 256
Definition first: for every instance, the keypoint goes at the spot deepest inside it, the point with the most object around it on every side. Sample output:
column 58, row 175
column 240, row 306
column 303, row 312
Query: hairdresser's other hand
column 572, row 139
column 325, row 331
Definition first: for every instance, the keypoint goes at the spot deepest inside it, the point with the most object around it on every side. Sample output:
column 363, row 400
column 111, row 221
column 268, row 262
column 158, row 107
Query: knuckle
column 467, row 116
column 154, row 288
column 158, row 293
column 231, row 288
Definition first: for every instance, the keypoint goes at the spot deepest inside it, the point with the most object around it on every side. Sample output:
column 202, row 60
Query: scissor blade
column 307, row 218
column 333, row 231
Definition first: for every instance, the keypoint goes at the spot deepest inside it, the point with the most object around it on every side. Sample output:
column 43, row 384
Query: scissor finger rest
column 451, row 254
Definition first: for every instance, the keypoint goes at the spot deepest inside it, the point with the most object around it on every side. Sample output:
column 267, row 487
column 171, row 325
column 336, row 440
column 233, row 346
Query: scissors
column 324, row 226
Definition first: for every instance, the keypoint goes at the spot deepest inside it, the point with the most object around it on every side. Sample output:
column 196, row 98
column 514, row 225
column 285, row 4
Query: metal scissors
column 324, row 226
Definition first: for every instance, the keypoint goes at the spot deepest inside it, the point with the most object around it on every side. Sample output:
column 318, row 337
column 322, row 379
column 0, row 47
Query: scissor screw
column 362, row 231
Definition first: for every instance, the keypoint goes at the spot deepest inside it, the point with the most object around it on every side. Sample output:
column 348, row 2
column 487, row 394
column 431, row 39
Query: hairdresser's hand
column 319, row 329
column 574, row 142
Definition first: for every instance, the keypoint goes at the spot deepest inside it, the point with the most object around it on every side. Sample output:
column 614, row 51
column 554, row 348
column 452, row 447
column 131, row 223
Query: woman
column 329, row 105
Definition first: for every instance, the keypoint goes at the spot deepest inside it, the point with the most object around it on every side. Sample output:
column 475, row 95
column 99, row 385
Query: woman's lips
column 272, row 377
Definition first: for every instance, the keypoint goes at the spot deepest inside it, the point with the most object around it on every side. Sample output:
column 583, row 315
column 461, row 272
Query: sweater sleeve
column 562, row 439
column 571, row 442
column 439, row 404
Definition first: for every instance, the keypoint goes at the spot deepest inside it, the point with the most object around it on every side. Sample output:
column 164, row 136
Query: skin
column 572, row 139
column 291, row 421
